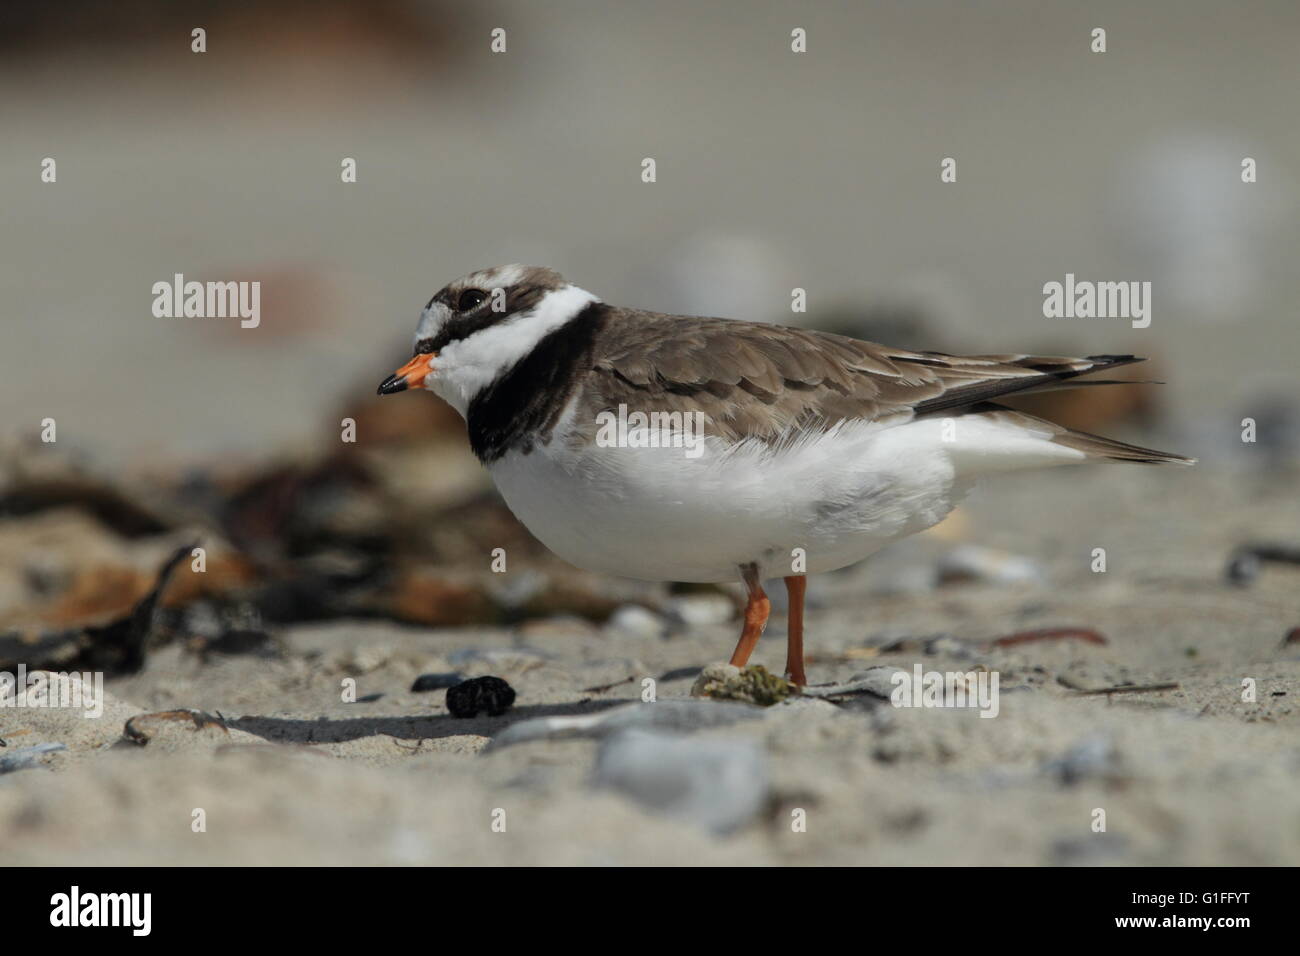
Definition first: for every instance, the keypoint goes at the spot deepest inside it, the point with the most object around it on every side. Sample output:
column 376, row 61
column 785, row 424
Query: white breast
column 656, row 514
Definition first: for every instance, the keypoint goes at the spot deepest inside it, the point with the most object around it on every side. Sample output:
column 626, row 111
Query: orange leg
column 795, row 585
column 756, row 610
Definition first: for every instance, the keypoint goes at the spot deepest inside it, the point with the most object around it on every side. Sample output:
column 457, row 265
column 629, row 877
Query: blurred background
column 775, row 170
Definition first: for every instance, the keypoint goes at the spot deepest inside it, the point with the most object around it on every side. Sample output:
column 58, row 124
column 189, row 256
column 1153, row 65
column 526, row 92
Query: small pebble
column 716, row 784
column 665, row 714
column 517, row 589
column 1243, row 568
column 25, row 757
column 948, row 646
column 363, row 660
column 491, row 694
column 969, row 562
column 1246, row 562
column 699, row 610
column 1092, row 758
column 427, row 682
column 633, row 620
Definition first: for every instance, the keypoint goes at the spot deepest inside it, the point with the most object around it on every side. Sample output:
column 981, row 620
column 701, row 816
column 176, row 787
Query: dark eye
column 469, row 299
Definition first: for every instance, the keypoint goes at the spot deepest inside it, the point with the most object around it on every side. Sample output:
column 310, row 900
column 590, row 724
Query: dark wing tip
column 1110, row 361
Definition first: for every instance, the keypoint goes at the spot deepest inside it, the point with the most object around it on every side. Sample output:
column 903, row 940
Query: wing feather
column 755, row 381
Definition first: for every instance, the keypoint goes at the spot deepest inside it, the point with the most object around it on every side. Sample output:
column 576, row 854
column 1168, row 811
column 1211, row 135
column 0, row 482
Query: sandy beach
column 291, row 774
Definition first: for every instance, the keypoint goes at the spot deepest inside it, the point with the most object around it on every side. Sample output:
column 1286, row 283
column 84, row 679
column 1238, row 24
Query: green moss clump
column 753, row 685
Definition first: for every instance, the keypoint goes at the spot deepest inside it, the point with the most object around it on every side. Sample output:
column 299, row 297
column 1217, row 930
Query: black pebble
column 1243, row 568
column 436, row 682
column 480, row 693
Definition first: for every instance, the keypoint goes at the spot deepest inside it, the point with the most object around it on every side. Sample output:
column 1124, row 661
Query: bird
column 690, row 449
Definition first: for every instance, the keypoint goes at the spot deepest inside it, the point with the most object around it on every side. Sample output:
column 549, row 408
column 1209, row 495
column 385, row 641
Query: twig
column 1124, row 689
column 601, row 688
column 1050, row 634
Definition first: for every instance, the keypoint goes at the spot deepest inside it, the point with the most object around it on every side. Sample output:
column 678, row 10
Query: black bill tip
column 394, row 383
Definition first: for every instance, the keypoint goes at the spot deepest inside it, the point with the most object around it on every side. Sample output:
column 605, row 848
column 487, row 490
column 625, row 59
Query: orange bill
column 410, row 375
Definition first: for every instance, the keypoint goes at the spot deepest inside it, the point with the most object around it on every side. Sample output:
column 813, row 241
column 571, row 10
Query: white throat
column 465, row 368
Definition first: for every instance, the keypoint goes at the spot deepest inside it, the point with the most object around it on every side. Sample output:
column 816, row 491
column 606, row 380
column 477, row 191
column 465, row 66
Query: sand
column 1192, row 774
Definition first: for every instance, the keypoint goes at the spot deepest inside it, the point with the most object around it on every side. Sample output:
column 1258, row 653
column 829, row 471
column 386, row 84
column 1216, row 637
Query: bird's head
column 480, row 325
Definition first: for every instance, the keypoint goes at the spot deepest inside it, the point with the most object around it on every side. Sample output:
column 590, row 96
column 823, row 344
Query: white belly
column 656, row 514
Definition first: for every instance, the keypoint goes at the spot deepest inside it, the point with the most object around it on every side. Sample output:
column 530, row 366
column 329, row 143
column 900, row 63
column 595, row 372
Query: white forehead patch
column 431, row 320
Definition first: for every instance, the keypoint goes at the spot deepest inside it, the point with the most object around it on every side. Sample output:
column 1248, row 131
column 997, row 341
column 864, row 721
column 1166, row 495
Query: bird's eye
column 469, row 299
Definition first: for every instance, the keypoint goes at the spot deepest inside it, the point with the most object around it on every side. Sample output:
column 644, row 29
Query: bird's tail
column 1095, row 447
